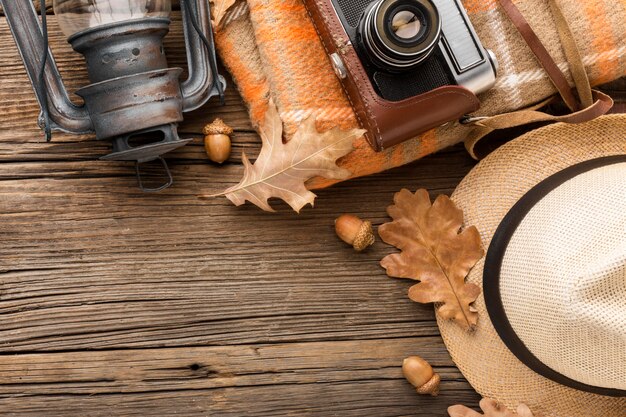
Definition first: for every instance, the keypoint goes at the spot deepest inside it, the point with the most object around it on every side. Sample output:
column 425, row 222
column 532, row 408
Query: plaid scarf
column 272, row 51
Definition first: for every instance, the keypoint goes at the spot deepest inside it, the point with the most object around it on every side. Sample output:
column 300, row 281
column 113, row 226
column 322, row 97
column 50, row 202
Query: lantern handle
column 64, row 115
column 168, row 173
column 204, row 81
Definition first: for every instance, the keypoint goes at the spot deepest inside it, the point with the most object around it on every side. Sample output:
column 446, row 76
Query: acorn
column 355, row 232
column 217, row 141
column 421, row 375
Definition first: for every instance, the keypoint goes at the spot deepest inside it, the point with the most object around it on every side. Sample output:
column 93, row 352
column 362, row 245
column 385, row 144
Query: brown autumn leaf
column 491, row 408
column 219, row 8
column 282, row 169
column 434, row 253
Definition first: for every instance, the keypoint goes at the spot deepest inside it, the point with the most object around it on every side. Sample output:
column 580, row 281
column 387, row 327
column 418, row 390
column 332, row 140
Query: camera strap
column 586, row 105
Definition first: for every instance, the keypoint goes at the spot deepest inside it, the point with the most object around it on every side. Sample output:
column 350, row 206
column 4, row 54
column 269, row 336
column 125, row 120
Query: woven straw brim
column 485, row 196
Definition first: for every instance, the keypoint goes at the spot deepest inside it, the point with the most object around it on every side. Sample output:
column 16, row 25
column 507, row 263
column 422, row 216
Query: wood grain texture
column 144, row 370
column 307, row 378
column 114, row 302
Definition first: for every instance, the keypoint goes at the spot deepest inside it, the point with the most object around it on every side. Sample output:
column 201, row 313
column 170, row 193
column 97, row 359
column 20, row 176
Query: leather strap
column 482, row 127
column 542, row 54
column 601, row 106
column 592, row 103
column 572, row 54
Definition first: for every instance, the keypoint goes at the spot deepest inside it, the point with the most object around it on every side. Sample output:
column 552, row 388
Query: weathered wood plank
column 149, row 370
column 89, row 262
column 377, row 398
column 33, row 150
column 349, row 378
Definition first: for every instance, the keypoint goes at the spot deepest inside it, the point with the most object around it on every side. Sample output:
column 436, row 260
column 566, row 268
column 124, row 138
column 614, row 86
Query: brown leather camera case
column 387, row 122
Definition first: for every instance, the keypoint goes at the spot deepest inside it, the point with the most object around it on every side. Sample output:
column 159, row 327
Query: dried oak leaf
column 219, row 8
column 282, row 169
column 491, row 408
column 434, row 253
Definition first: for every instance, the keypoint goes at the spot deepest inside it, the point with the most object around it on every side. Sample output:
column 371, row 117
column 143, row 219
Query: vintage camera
column 407, row 65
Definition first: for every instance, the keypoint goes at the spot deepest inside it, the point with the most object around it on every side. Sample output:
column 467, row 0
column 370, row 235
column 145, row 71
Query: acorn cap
column 218, row 127
column 364, row 237
column 431, row 387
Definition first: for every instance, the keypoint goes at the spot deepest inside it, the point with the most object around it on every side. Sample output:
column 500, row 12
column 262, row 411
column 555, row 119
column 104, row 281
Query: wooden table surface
column 115, row 302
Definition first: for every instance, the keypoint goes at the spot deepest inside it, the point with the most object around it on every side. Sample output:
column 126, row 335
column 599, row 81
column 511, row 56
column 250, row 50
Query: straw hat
column 551, row 209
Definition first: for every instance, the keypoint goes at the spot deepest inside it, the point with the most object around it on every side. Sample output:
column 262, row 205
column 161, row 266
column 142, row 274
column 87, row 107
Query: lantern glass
column 77, row 15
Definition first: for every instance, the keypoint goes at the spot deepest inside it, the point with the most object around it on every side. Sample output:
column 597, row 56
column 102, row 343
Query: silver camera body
column 471, row 64
column 410, row 47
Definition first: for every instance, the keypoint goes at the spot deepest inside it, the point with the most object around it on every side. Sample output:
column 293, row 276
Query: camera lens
column 400, row 34
column 406, row 25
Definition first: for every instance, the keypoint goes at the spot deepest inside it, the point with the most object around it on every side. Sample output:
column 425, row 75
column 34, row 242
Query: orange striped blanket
column 272, row 51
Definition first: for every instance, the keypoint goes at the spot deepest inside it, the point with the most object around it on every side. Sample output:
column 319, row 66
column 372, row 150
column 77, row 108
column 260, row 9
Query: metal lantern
column 134, row 100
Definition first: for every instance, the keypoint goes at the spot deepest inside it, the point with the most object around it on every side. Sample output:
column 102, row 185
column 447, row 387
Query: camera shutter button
column 338, row 66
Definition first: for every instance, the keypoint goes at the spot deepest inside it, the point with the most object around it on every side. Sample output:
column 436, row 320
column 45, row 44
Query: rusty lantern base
column 135, row 100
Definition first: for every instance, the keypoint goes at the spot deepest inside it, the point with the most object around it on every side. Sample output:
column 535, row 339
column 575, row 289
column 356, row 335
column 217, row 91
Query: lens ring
column 383, row 42
column 429, row 14
column 406, row 25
